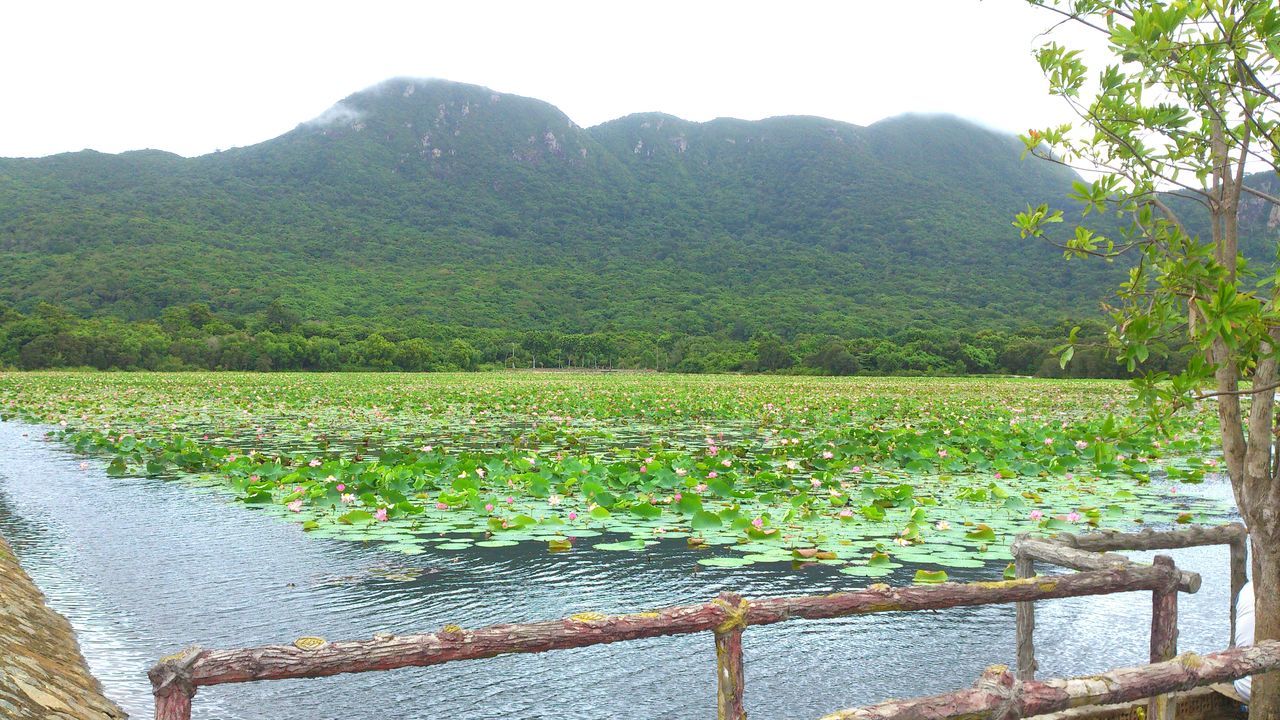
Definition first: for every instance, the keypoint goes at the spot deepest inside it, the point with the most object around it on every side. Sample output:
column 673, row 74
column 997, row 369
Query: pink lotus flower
column 380, row 515
column 441, row 506
column 1081, row 444
column 341, row 487
column 1048, row 441
column 700, row 488
column 1036, row 514
column 1073, row 516
column 827, row 455
column 315, row 462
column 644, row 468
column 942, row 453
column 856, row 469
column 727, row 462
column 677, row 497
column 757, row 523
column 573, row 515
column 348, row 498
column 681, row 472
column 815, row 482
column 295, row 506
column 488, row 507
column 845, row 513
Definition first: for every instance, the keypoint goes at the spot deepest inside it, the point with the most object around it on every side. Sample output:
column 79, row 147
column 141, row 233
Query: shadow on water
column 143, row 567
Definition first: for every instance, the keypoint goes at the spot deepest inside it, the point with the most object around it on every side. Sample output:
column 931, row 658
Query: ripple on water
column 142, row 567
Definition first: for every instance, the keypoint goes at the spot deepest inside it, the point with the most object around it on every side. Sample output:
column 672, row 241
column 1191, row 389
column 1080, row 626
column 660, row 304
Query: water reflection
column 143, row 567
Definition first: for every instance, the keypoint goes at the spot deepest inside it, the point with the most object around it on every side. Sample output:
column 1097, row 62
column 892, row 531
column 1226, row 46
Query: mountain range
column 434, row 202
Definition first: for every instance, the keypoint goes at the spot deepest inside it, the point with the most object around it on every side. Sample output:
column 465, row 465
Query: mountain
column 436, row 203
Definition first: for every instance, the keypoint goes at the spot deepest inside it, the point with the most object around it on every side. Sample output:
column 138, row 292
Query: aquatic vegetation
column 862, row 474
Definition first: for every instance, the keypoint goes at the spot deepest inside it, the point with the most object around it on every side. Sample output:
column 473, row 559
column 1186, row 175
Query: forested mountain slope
column 449, row 202
column 428, row 225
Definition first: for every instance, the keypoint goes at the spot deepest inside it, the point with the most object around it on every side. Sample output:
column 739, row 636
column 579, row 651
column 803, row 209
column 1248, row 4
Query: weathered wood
column 1201, row 703
column 729, row 675
column 1069, row 557
column 1164, row 638
column 998, row 695
column 1025, row 567
column 172, row 686
column 1194, row 536
column 882, row 598
column 1239, row 576
column 174, row 706
column 275, row 662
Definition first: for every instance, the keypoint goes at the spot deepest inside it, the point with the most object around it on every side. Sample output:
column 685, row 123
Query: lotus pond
column 864, row 475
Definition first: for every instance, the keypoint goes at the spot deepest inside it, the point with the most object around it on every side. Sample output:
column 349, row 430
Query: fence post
column 171, row 684
column 1239, row 575
column 174, row 706
column 1025, row 567
column 1164, row 635
column 729, row 676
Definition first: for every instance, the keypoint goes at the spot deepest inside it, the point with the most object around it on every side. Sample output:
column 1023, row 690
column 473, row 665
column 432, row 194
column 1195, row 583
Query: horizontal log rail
column 175, row 678
column 1195, row 536
column 1069, row 557
column 999, row 695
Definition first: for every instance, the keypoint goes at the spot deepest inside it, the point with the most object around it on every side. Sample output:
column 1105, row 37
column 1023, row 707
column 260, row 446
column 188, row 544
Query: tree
column 1185, row 108
column 771, row 352
column 414, row 355
column 462, row 355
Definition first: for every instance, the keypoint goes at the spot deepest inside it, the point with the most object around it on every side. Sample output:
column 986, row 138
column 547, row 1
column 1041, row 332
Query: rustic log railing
column 1000, row 695
column 176, row 678
column 1092, row 552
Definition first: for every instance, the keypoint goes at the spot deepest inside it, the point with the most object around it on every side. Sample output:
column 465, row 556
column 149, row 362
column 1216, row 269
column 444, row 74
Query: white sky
column 192, row 77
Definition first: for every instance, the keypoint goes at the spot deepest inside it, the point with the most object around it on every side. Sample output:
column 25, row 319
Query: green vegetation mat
column 866, row 474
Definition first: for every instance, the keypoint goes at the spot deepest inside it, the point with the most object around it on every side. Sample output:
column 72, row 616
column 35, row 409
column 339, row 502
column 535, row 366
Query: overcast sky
column 194, row 77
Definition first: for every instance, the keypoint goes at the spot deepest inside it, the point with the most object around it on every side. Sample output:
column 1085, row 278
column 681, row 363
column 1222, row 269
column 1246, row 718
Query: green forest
column 423, row 225
column 194, row 337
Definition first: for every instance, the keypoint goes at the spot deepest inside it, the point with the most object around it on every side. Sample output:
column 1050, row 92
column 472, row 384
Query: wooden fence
column 176, row 678
column 1093, row 552
column 1000, row 695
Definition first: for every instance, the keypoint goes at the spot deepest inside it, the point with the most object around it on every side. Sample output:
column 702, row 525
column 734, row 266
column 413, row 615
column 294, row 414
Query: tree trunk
column 1265, row 691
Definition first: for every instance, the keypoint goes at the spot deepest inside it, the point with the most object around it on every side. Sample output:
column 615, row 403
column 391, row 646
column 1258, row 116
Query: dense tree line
column 193, row 337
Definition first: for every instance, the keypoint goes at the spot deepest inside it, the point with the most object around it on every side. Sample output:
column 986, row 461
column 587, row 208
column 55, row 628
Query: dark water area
column 144, row 567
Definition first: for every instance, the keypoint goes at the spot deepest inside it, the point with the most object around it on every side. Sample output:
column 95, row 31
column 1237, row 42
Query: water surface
column 143, row 567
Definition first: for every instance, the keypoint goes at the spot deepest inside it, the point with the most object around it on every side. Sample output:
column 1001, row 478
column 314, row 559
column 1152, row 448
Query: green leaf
column 703, row 520
column 931, row 577
column 355, row 516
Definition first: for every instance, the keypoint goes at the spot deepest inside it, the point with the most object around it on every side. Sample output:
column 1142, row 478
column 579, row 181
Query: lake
column 141, row 571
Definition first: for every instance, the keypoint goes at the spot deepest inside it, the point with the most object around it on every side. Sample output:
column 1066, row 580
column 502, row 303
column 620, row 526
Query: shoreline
column 43, row 675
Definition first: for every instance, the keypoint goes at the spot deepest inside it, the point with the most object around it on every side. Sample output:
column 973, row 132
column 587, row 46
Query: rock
column 43, row 676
